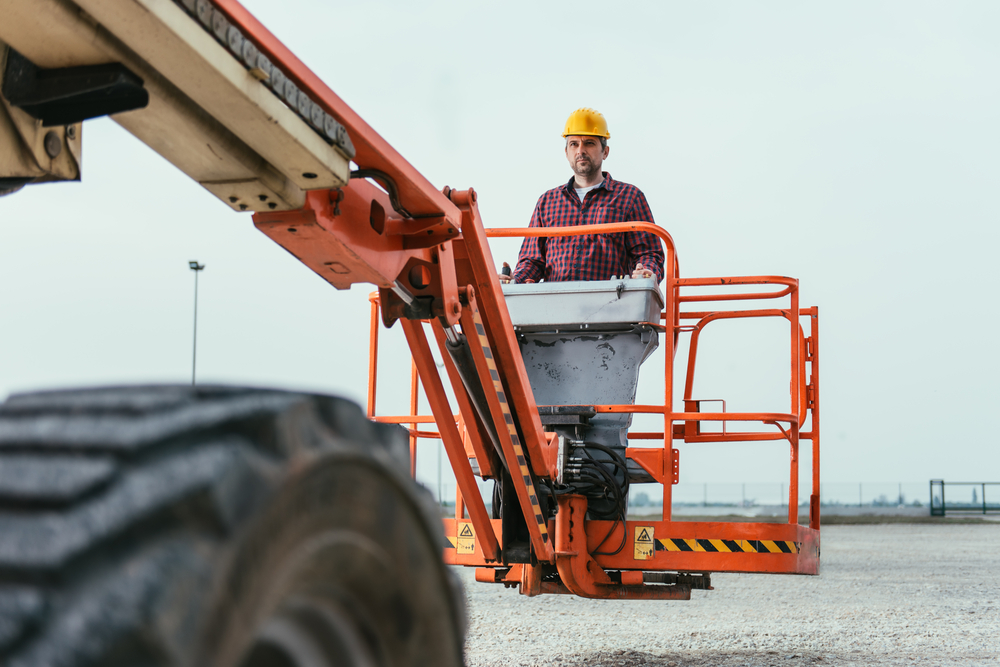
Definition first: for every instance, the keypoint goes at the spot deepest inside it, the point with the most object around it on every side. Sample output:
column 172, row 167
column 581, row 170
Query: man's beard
column 585, row 169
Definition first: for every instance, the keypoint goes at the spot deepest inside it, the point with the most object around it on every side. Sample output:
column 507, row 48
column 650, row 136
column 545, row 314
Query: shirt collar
column 607, row 184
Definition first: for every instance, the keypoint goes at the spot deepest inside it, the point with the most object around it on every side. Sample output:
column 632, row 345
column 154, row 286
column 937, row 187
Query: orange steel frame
column 706, row 542
column 427, row 252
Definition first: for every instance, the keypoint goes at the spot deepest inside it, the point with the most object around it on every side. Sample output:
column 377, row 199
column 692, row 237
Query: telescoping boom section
column 538, row 385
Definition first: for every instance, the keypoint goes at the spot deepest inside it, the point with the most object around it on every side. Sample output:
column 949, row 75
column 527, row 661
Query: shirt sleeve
column 643, row 247
column 531, row 259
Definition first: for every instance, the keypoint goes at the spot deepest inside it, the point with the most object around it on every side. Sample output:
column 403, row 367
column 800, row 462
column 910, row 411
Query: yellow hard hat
column 588, row 122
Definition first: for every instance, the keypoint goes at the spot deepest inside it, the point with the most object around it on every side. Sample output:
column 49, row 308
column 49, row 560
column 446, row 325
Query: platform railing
column 685, row 425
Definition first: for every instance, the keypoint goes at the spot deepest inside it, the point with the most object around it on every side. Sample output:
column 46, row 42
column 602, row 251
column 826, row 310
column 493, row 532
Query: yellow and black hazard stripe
column 522, row 462
column 452, row 542
column 729, row 546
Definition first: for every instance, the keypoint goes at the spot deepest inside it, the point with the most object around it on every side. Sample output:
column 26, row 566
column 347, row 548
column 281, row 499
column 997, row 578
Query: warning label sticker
column 644, row 544
column 466, row 542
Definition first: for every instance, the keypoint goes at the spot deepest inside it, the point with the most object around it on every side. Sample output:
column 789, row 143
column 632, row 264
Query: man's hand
column 505, row 273
column 642, row 272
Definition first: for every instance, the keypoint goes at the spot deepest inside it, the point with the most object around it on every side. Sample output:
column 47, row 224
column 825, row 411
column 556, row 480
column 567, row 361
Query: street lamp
column 197, row 268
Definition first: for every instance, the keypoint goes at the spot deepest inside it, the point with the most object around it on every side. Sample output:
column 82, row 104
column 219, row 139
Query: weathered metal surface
column 582, row 344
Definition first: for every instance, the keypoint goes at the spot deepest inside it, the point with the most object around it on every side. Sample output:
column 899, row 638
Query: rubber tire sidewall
column 343, row 533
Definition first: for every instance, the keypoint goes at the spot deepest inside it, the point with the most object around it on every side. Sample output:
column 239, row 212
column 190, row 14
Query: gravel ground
column 888, row 595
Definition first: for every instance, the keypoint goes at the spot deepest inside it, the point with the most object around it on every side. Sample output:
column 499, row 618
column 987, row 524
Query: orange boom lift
column 324, row 185
column 427, row 251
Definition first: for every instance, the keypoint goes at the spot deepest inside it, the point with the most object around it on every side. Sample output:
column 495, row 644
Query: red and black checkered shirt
column 596, row 256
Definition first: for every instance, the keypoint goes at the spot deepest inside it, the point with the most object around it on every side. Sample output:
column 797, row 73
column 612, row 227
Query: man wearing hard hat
column 591, row 197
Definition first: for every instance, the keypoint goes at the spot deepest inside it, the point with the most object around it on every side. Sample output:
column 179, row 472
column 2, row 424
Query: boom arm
column 233, row 108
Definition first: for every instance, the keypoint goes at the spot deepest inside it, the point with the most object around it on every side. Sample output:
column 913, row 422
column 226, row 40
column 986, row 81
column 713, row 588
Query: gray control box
column 582, row 343
column 584, row 304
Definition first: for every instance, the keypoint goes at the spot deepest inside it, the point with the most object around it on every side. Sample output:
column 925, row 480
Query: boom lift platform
column 208, row 87
column 582, row 343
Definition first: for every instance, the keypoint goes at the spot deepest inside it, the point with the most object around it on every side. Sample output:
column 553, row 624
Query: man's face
column 585, row 155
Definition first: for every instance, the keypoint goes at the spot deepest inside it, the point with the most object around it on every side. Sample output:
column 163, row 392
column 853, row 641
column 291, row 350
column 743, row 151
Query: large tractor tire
column 215, row 527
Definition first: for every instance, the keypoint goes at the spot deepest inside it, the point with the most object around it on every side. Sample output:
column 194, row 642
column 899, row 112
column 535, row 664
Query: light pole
column 197, row 268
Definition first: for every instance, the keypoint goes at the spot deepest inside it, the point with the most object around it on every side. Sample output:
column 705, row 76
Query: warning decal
column 730, row 546
column 644, row 543
column 465, row 543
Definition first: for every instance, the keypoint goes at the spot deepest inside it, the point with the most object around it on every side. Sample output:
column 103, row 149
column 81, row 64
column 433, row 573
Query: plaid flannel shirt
column 592, row 257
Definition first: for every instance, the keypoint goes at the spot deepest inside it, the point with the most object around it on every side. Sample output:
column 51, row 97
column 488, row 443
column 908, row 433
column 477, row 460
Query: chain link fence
column 832, row 494
column 879, row 495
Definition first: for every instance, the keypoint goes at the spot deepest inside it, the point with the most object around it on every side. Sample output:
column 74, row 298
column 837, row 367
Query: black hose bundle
column 603, row 481
column 605, row 484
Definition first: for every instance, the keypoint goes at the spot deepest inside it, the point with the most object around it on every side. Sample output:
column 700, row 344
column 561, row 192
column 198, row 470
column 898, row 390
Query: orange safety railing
column 662, row 463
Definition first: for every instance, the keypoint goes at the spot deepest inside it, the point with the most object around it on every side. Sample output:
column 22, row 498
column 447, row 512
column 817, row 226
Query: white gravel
column 888, row 595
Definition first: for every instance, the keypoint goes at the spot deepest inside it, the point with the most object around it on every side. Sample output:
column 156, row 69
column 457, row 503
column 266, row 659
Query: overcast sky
column 852, row 145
